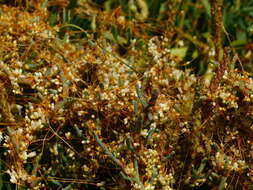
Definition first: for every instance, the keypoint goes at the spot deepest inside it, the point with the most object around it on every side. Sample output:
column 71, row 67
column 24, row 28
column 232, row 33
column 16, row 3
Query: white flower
column 177, row 74
column 31, row 154
column 13, row 176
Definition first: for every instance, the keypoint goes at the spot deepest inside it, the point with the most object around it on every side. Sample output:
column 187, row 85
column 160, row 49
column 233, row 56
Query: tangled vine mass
column 77, row 114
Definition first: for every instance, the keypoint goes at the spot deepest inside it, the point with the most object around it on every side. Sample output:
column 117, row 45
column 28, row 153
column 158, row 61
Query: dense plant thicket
column 138, row 94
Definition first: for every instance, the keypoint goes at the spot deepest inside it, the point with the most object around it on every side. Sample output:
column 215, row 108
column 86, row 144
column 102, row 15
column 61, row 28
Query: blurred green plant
column 189, row 25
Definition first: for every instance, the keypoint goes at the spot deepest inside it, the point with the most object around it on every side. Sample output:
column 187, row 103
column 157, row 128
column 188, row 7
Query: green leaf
column 52, row 19
column 56, row 183
column 136, row 109
column 149, row 136
column 165, row 158
column 247, row 10
column 93, row 25
column 114, row 31
column 207, row 6
column 67, row 187
column 179, row 52
column 237, row 43
column 241, row 35
column 109, row 36
column 129, row 34
column 72, row 4
column 122, row 40
column 130, row 144
column 195, row 54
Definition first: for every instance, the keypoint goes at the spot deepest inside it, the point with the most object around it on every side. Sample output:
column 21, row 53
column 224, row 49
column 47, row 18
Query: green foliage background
column 187, row 21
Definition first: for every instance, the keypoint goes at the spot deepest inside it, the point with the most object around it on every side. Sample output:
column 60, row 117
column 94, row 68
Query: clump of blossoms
column 82, row 112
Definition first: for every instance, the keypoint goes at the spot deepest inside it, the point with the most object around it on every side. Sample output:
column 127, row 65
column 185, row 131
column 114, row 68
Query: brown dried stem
column 216, row 12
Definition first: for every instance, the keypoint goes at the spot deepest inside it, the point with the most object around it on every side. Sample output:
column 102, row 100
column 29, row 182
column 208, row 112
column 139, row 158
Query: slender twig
column 220, row 70
column 106, row 151
column 56, row 134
